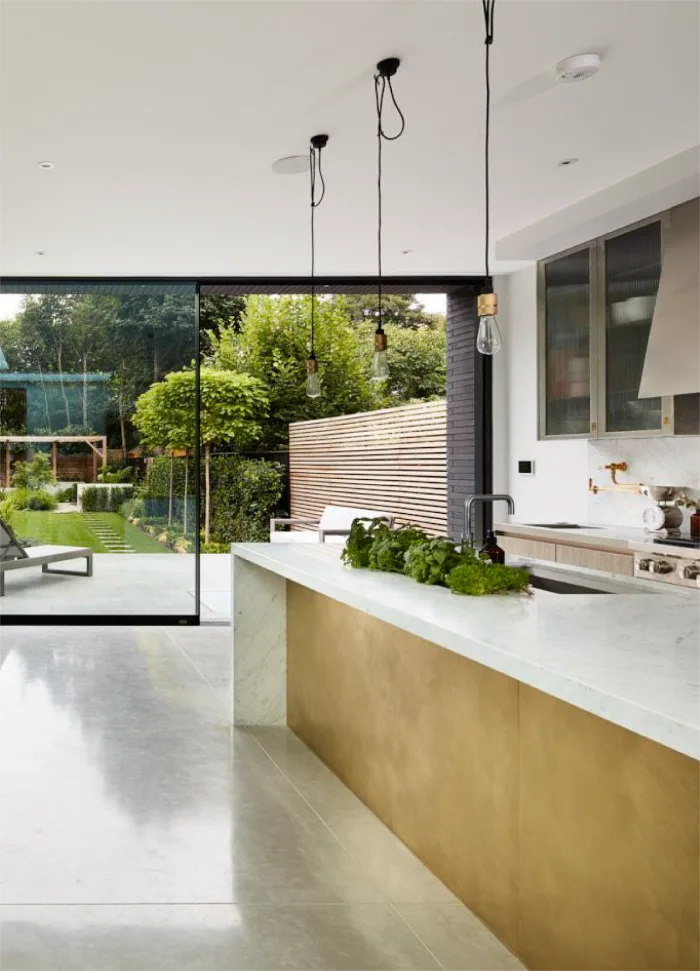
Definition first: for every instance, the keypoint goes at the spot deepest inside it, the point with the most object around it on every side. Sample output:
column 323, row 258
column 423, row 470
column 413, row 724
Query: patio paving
column 125, row 583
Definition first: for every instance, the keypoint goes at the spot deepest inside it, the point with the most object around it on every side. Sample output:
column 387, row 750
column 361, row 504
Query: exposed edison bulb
column 488, row 339
column 380, row 366
column 313, row 383
column 380, row 361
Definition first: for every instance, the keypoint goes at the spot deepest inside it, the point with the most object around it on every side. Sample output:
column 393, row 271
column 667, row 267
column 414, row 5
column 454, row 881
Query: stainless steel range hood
column 672, row 362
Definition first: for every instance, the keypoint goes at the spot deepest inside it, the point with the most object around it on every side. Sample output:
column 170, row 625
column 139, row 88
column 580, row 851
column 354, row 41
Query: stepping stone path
column 108, row 536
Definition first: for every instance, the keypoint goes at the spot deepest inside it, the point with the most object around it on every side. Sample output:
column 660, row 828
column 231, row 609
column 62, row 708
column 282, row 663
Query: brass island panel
column 609, row 844
column 427, row 739
column 575, row 840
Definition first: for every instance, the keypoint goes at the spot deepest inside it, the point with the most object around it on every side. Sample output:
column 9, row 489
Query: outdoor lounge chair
column 15, row 556
column 335, row 522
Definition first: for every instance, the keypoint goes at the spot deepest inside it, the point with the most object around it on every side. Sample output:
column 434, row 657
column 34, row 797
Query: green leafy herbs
column 359, row 541
column 389, row 546
column 431, row 560
column 408, row 550
column 477, row 577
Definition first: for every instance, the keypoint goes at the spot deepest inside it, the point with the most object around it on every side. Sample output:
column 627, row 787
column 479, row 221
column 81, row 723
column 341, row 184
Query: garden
column 114, row 366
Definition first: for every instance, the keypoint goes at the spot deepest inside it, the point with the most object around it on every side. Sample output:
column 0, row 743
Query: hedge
column 102, row 499
column 244, row 495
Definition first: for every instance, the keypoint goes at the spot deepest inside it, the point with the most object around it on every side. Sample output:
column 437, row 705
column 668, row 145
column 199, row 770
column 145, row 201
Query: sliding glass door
column 99, row 420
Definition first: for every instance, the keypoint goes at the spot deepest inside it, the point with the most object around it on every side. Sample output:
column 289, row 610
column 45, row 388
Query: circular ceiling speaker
column 291, row 165
column 577, row 68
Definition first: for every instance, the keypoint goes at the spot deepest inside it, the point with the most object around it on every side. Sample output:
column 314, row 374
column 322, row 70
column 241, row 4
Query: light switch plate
column 526, row 467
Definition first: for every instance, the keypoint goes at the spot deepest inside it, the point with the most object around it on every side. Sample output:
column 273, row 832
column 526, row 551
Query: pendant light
column 318, row 143
column 386, row 69
column 488, row 340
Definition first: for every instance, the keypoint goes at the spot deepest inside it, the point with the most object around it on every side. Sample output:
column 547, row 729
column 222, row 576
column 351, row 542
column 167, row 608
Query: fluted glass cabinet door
column 632, row 268
column 567, row 330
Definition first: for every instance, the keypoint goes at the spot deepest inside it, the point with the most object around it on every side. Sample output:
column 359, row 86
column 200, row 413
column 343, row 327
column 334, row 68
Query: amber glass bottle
column 492, row 549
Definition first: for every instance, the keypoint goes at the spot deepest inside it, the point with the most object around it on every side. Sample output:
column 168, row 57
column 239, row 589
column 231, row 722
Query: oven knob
column 644, row 565
column 690, row 572
column 660, row 566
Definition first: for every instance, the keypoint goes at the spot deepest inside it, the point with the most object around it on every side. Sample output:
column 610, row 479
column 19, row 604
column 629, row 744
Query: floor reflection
column 101, row 727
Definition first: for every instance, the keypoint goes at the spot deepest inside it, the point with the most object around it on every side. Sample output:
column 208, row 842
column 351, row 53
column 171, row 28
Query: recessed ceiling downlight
column 579, row 67
column 40, row 252
column 566, row 162
column 45, row 165
column 291, row 165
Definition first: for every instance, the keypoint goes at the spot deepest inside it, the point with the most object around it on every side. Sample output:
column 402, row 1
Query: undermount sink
column 554, row 580
column 559, row 526
column 563, row 586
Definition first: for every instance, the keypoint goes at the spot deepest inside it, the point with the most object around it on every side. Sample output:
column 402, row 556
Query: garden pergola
column 55, row 440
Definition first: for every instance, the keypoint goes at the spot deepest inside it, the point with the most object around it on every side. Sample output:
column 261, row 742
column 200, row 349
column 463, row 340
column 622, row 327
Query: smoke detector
column 579, row 67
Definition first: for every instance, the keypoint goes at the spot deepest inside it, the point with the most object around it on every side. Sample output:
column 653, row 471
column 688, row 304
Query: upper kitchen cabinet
column 565, row 322
column 606, row 356
column 630, row 268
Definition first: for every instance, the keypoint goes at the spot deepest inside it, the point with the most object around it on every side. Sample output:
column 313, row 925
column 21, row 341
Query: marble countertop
column 610, row 537
column 617, row 656
column 616, row 538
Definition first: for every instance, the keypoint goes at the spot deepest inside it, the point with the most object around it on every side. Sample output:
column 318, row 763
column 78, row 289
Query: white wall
column 557, row 491
column 559, row 488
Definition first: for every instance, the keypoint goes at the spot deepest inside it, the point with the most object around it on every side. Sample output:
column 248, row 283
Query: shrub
column 69, row 494
column 33, row 475
column 19, row 498
column 245, row 493
column 213, row 547
column 115, row 474
column 7, row 510
column 105, row 500
column 41, row 501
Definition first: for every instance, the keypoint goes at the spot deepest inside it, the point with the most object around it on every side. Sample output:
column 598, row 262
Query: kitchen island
column 538, row 754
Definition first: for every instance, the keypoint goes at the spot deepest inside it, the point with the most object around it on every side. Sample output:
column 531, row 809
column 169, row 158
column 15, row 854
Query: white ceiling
column 163, row 118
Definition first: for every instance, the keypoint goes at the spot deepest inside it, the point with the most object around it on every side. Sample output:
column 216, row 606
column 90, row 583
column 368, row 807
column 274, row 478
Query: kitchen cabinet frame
column 592, row 340
column 597, row 340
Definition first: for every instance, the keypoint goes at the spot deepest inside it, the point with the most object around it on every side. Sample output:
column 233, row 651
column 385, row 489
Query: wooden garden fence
column 393, row 460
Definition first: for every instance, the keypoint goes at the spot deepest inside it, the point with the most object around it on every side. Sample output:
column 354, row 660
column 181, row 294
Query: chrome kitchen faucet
column 467, row 534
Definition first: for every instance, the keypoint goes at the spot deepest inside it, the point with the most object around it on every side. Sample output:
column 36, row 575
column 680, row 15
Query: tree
column 218, row 311
column 417, row 365
column 232, row 405
column 401, row 309
column 273, row 345
column 44, row 324
column 93, row 321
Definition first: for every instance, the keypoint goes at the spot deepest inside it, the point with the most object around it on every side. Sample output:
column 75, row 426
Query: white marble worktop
column 621, row 539
column 617, row 538
column 632, row 658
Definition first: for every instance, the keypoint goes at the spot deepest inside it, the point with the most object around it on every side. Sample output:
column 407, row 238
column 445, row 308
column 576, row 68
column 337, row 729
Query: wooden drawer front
column 620, row 563
column 530, row 548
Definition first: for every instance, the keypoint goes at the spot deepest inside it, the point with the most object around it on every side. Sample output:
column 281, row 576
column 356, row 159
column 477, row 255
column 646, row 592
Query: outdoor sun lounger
column 15, row 556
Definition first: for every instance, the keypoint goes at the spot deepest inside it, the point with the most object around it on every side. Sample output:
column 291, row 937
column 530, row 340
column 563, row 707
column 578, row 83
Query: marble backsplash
column 657, row 461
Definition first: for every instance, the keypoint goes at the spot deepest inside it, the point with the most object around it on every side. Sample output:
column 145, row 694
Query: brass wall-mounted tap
column 613, row 468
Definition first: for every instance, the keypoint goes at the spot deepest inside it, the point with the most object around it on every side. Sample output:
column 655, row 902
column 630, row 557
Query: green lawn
column 71, row 529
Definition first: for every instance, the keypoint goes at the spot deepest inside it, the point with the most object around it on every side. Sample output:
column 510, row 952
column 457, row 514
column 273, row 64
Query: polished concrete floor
column 125, row 583
column 138, row 832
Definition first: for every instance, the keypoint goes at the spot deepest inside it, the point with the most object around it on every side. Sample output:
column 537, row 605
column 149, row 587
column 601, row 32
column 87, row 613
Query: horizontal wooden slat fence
column 394, row 460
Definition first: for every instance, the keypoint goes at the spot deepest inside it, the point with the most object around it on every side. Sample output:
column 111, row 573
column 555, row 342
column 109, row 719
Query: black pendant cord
column 381, row 82
column 315, row 169
column 488, row 7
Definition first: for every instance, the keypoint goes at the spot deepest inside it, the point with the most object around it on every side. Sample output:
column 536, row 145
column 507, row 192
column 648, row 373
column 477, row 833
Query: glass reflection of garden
column 120, row 365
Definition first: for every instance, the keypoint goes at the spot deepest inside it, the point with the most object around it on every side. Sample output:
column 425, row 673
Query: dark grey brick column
column 468, row 420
